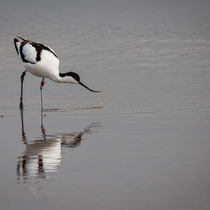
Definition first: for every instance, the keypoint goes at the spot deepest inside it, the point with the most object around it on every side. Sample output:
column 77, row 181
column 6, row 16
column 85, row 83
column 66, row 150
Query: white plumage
column 29, row 52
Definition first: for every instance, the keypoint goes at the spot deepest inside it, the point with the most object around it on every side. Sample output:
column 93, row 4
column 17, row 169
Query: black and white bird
column 40, row 60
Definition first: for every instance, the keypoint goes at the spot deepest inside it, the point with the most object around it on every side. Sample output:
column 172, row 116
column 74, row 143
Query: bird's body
column 47, row 67
column 40, row 60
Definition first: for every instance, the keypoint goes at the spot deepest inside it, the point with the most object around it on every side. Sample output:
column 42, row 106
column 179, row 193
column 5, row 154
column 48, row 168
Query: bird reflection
column 42, row 157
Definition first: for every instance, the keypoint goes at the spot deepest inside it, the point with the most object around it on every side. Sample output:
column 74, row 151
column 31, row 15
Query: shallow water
column 143, row 142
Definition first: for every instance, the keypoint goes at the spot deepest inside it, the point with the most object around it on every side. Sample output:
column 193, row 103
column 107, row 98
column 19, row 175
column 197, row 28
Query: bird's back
column 37, row 58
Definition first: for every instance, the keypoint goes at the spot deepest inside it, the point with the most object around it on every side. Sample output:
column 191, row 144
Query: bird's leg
column 41, row 87
column 21, row 96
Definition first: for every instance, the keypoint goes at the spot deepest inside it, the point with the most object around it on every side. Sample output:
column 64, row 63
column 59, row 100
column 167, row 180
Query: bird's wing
column 29, row 51
column 17, row 45
column 24, row 49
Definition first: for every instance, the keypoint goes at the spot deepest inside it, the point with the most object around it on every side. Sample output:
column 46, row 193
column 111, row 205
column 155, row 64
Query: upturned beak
column 95, row 91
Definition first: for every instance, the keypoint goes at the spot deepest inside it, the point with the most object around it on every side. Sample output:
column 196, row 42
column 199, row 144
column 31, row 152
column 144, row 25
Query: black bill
column 95, row 91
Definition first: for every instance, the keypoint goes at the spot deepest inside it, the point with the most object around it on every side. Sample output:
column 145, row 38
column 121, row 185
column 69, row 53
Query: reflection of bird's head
column 71, row 140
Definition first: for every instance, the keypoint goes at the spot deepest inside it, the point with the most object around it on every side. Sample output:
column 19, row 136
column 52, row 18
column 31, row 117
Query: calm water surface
column 143, row 143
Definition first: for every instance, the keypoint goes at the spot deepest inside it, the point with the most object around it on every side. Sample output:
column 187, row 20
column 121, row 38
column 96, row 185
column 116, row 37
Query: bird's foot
column 21, row 105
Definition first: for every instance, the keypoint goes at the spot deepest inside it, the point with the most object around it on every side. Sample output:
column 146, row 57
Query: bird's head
column 74, row 78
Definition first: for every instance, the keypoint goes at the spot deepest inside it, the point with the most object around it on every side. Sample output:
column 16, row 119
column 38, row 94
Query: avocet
column 41, row 61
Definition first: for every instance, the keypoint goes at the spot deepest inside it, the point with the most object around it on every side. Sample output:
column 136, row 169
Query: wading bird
column 40, row 60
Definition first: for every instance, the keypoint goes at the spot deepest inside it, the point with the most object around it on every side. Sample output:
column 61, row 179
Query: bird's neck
column 63, row 78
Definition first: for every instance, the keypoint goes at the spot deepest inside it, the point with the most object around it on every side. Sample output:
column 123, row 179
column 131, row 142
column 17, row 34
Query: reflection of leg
column 21, row 96
column 41, row 87
column 41, row 166
column 43, row 128
column 24, row 138
column 21, row 167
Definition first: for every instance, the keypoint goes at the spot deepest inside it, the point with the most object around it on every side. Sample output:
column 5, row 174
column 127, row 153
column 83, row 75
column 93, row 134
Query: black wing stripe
column 39, row 47
column 15, row 43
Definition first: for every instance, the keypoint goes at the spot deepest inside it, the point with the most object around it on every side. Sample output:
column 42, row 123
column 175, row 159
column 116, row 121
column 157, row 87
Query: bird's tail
column 17, row 42
column 17, row 45
column 22, row 38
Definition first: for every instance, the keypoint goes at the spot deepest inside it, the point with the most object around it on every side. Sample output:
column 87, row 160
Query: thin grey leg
column 21, row 96
column 41, row 87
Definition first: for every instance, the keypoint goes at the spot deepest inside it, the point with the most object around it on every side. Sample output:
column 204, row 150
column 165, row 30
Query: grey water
column 143, row 142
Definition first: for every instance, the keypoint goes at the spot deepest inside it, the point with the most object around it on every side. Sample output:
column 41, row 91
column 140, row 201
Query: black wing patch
column 15, row 43
column 39, row 47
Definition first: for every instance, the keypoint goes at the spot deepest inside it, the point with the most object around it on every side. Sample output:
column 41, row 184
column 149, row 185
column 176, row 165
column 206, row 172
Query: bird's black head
column 71, row 74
